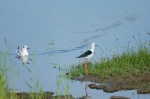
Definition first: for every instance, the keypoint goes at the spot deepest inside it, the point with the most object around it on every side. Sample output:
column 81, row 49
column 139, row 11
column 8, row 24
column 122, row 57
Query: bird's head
column 26, row 47
column 93, row 44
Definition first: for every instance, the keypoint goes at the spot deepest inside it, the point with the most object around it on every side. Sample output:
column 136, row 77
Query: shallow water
column 73, row 26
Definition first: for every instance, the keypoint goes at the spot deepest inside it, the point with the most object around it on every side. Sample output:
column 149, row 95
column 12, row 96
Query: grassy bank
column 131, row 61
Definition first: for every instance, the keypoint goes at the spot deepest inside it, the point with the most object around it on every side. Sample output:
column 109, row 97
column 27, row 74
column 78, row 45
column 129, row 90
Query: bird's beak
column 97, row 45
column 28, row 48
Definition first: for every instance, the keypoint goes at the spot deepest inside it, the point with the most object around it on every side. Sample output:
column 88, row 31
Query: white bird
column 88, row 54
column 22, row 52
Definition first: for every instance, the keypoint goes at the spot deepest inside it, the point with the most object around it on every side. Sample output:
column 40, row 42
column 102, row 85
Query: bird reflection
column 86, row 88
column 24, row 59
column 86, row 97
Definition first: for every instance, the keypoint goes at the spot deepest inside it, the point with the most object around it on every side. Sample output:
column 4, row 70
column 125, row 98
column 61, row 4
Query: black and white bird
column 88, row 54
column 22, row 52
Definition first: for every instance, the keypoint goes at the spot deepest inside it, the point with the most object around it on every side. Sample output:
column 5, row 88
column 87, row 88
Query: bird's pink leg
column 85, row 67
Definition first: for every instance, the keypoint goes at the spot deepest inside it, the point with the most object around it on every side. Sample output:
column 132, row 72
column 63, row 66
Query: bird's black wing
column 85, row 54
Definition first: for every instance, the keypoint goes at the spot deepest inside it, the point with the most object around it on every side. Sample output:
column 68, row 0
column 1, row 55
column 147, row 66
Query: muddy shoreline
column 49, row 95
column 45, row 95
column 140, row 82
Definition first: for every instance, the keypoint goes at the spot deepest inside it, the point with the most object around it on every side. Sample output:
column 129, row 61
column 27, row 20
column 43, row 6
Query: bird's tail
column 78, row 57
column 17, row 50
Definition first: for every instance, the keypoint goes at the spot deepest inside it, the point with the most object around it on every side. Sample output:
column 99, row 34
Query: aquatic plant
column 3, row 76
column 4, row 69
column 62, row 87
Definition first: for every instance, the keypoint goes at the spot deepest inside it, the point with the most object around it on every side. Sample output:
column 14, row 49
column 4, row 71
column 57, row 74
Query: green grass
column 5, row 92
column 3, row 77
column 131, row 60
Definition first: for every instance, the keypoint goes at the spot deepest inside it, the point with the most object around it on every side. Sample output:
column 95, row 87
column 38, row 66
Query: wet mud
column 118, row 97
column 45, row 95
column 139, row 82
column 49, row 95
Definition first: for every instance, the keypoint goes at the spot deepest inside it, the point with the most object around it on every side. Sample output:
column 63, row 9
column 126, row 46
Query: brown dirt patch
column 139, row 82
column 45, row 95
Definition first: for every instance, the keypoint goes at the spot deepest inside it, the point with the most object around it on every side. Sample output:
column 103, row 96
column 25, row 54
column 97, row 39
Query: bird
column 88, row 54
column 22, row 52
